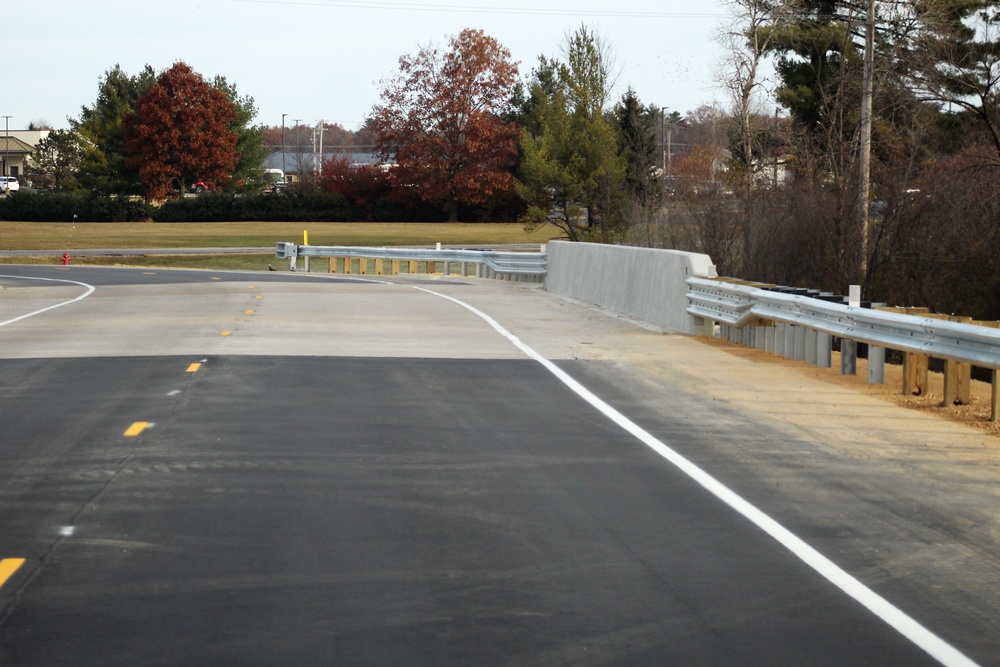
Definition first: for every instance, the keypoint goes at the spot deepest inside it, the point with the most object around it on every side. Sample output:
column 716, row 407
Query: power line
column 475, row 9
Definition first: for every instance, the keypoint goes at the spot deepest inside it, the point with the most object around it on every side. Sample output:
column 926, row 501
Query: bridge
column 328, row 469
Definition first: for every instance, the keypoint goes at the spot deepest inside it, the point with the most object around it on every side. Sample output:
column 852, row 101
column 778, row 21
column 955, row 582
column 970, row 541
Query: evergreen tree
column 636, row 127
column 57, row 160
column 102, row 133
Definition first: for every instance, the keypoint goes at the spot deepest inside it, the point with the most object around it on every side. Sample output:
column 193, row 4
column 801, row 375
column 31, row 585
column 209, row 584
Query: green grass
column 215, row 262
column 59, row 236
column 62, row 236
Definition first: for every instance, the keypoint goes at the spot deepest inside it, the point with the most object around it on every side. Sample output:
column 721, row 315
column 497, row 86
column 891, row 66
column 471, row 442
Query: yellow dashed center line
column 249, row 312
column 135, row 429
column 8, row 566
column 227, row 333
column 193, row 368
column 259, row 297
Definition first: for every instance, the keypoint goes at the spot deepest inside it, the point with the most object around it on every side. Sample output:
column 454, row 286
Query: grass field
column 65, row 236
column 58, row 236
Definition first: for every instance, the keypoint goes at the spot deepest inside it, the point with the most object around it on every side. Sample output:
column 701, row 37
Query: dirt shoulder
column 976, row 414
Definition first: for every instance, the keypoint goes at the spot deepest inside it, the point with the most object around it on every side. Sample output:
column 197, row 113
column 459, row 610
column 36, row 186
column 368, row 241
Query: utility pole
column 298, row 151
column 319, row 162
column 663, row 140
column 6, row 148
column 775, row 143
column 283, row 144
column 864, row 189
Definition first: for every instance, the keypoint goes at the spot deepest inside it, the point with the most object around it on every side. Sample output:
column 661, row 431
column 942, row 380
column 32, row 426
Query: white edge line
column 910, row 628
column 90, row 290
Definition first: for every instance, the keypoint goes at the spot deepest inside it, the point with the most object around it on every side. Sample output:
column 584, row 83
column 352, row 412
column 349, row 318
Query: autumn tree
column 440, row 119
column 366, row 187
column 181, row 130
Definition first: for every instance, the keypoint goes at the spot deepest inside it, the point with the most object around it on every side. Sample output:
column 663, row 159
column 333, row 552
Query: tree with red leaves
column 440, row 120
column 181, row 132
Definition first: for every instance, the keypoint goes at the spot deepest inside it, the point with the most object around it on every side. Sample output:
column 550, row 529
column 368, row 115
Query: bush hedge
column 300, row 206
column 288, row 207
column 62, row 206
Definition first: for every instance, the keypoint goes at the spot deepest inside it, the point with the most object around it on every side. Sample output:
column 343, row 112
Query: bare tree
column 748, row 40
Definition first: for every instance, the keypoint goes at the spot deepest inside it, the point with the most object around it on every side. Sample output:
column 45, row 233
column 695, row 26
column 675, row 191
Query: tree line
column 778, row 184
column 803, row 199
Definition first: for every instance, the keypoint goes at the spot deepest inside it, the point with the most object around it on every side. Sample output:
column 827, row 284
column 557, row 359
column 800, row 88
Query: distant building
column 14, row 155
column 299, row 165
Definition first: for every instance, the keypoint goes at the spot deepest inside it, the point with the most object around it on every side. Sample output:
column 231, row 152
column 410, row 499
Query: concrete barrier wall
column 643, row 283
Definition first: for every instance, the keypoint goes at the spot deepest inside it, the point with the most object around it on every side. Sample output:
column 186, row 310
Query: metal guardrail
column 741, row 305
column 499, row 262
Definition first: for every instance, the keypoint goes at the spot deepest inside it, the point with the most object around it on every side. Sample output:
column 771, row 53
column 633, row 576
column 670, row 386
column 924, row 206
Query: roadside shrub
column 62, row 206
column 287, row 207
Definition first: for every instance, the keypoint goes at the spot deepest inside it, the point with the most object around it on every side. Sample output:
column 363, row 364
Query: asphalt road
column 211, row 468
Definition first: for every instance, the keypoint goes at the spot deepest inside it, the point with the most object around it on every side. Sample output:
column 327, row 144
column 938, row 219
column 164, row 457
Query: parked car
column 274, row 180
column 9, row 184
column 198, row 187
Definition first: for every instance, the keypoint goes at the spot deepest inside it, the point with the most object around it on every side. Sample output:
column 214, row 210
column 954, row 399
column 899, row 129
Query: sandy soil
column 976, row 414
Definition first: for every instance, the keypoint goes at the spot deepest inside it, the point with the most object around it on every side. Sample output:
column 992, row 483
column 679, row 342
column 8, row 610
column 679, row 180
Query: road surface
column 223, row 468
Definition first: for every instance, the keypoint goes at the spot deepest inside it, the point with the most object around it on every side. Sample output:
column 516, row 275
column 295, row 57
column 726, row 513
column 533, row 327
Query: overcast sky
column 322, row 59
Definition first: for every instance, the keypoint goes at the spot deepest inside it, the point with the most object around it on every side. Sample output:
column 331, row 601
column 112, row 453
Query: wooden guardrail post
column 412, row 266
column 333, row 264
column 995, row 412
column 957, row 383
column 915, row 366
column 915, row 373
column 957, row 377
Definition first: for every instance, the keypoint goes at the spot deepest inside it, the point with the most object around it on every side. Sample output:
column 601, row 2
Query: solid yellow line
column 193, row 368
column 8, row 566
column 135, row 429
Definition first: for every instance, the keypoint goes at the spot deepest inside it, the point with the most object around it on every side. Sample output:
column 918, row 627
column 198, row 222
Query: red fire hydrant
column 65, row 259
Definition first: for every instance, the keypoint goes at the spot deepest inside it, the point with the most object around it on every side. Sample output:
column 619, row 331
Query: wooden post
column 333, row 265
column 394, row 266
column 958, row 376
column 996, row 396
column 915, row 370
column 348, row 266
column 363, row 266
column 379, row 267
column 957, row 383
column 413, row 267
